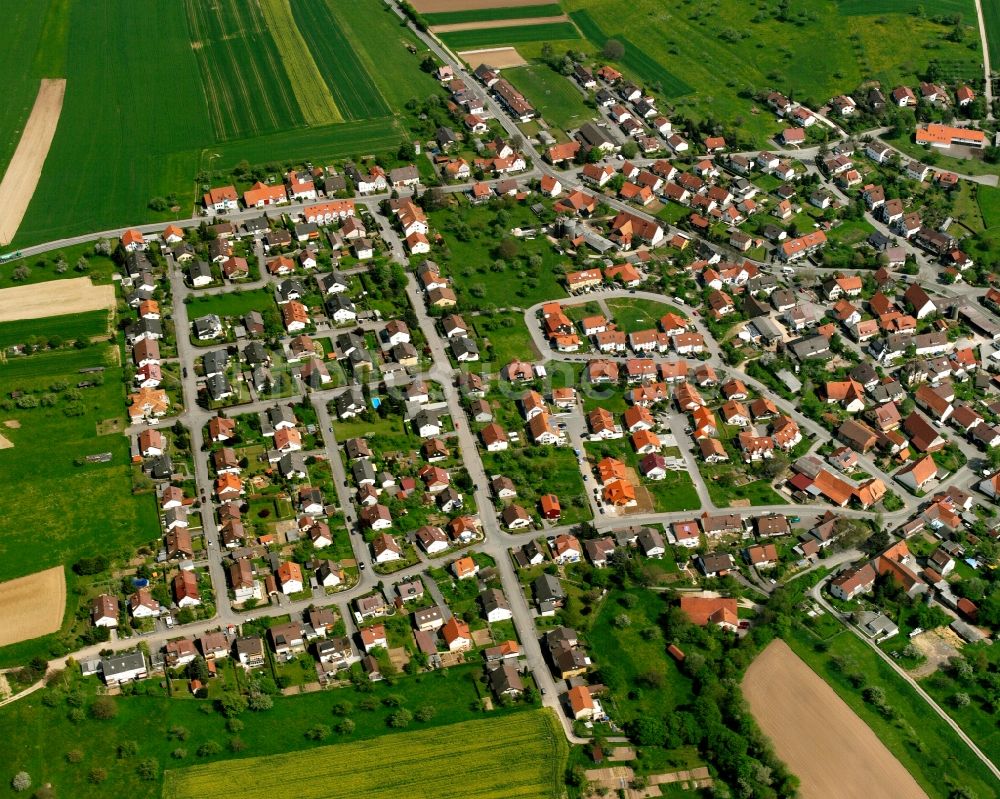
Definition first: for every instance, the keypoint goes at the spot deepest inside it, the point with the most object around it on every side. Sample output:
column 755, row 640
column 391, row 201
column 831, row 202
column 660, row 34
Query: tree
column 318, row 732
column 260, row 702
column 613, row 50
column 345, row 727
column 231, row 704
column 401, row 718
column 209, row 748
column 198, row 670
column 97, row 775
column 104, row 708
column 21, row 781
column 425, row 713
column 148, row 769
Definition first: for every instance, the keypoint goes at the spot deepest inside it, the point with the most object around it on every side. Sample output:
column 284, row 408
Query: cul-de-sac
column 500, row 399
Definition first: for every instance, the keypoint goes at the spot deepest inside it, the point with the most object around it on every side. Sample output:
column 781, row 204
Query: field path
column 987, row 70
column 497, row 23
column 25, row 167
column 830, row 749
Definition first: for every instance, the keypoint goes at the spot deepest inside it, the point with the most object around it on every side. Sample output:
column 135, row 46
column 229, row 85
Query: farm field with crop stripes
column 521, row 756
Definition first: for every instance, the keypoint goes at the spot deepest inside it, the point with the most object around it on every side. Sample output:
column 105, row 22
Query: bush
column 21, row 781
column 209, row 748
column 104, row 708
column 148, row 769
column 97, row 775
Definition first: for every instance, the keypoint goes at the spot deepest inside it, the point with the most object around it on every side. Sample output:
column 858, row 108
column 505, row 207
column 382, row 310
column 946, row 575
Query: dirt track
column 497, row 23
column 32, row 606
column 54, row 298
column 438, row 6
column 833, row 752
column 498, row 57
column 26, row 166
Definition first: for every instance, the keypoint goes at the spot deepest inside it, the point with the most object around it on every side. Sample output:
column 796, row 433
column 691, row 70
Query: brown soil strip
column 32, row 606
column 498, row 57
column 54, row 298
column 25, row 167
column 497, row 23
column 833, row 752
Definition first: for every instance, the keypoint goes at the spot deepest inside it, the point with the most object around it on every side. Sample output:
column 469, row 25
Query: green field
column 926, row 747
column 21, row 43
column 989, row 205
column 310, row 89
column 247, row 90
column 631, row 314
column 644, row 67
column 813, row 53
column 861, row 8
column 508, row 336
column 554, row 96
column 991, row 18
column 484, row 37
column 562, row 478
column 201, row 86
column 80, row 505
column 629, row 656
column 476, row 758
column 45, row 736
column 489, row 14
column 70, row 327
column 116, row 147
column 232, row 303
column 349, row 82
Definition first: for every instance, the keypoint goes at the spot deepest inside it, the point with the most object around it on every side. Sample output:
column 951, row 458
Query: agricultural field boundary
column 25, row 168
column 311, row 91
column 473, row 758
column 32, row 606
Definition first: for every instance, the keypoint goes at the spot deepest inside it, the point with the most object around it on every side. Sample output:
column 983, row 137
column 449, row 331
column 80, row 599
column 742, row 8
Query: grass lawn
column 232, row 304
column 976, row 718
column 41, row 268
column 759, row 492
column 512, row 35
column 82, row 504
column 555, row 96
column 675, row 492
column 385, row 434
column 968, row 206
column 630, row 656
column 926, row 747
column 508, row 337
column 543, row 470
column 483, row 279
column 631, row 315
column 989, row 205
column 46, row 736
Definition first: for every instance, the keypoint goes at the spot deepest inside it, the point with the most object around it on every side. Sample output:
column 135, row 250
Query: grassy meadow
column 730, row 49
column 45, row 737
column 73, row 509
column 71, row 327
column 556, row 98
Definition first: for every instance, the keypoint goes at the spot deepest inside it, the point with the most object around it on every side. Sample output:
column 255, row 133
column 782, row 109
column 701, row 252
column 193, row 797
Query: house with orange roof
column 228, row 486
column 172, row 234
column 133, row 241
column 221, row 199
column 918, row 474
column 704, row 611
column 620, row 493
column 611, row 469
column 260, row 195
column 148, row 403
column 645, row 442
column 456, row 635
column 289, row 576
column 550, row 507
column 581, row 703
column 465, row 568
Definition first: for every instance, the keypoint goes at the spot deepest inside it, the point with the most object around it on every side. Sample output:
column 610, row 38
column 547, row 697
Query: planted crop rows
column 475, row 758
